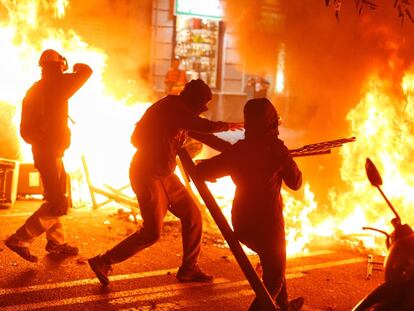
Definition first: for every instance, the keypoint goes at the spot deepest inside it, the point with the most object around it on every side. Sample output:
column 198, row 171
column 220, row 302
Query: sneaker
column 61, row 249
column 100, row 268
column 22, row 251
column 295, row 304
column 193, row 274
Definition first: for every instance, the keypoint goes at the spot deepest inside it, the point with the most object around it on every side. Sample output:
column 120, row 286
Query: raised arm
column 75, row 80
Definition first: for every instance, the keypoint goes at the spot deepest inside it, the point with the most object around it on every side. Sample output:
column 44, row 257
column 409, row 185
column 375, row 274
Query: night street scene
column 207, row 155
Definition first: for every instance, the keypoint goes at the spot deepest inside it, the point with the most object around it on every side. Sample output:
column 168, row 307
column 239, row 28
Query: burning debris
column 103, row 126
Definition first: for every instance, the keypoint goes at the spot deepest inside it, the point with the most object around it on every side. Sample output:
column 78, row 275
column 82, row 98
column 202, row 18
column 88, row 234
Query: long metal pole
column 228, row 234
column 207, row 220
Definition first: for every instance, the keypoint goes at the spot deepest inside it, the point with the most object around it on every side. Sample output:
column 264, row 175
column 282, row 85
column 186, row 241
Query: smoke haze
column 327, row 64
column 122, row 30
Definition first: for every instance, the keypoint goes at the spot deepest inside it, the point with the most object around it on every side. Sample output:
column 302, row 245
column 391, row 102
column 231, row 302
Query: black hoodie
column 258, row 165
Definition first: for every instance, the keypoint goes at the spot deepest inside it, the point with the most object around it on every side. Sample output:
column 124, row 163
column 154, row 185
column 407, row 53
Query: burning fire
column 100, row 123
column 382, row 123
column 103, row 123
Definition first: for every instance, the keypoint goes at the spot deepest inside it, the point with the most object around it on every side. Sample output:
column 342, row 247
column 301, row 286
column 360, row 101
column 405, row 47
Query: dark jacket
column 57, row 88
column 163, row 129
column 258, row 168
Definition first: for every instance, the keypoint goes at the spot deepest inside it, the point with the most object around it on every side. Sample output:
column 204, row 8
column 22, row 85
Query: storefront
column 195, row 33
column 197, row 45
column 197, row 39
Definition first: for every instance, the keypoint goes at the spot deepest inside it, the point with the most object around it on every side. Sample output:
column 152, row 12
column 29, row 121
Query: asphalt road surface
column 330, row 277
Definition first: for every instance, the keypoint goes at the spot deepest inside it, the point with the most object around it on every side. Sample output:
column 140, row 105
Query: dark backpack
column 32, row 124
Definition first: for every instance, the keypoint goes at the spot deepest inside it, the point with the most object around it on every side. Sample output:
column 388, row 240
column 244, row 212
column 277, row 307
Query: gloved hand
column 79, row 66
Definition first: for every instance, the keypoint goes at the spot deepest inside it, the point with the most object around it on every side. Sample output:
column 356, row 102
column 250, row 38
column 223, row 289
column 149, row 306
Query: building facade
column 196, row 33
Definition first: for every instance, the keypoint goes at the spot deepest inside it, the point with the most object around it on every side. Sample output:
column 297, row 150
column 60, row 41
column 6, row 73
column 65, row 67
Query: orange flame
column 102, row 123
column 381, row 122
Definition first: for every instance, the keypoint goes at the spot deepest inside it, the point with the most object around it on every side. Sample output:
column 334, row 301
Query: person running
column 158, row 135
column 44, row 125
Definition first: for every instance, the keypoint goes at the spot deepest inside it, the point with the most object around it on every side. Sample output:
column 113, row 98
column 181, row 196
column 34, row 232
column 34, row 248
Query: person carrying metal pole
column 259, row 164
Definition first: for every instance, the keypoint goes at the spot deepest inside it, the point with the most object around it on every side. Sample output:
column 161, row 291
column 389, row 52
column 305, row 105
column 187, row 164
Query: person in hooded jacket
column 49, row 140
column 258, row 165
column 158, row 135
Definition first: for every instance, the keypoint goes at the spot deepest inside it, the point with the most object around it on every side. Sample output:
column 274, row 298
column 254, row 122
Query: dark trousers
column 155, row 197
column 273, row 262
column 270, row 246
column 53, row 175
column 46, row 218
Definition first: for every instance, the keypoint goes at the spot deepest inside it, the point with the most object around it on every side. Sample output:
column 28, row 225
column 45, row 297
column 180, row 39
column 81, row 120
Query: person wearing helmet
column 258, row 165
column 158, row 135
column 52, row 57
column 49, row 139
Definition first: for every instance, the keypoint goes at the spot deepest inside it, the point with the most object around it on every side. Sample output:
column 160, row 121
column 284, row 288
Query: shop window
column 197, row 48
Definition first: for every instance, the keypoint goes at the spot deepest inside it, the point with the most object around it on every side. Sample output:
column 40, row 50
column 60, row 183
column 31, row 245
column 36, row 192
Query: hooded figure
column 158, row 135
column 261, row 119
column 258, row 165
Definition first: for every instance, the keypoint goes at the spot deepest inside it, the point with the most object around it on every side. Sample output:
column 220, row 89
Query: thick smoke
column 327, row 65
column 123, row 30
column 259, row 28
column 328, row 62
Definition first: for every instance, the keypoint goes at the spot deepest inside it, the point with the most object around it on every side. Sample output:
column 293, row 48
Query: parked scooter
column 397, row 292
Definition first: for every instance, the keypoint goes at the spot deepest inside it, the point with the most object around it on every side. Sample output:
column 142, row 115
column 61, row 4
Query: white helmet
column 51, row 56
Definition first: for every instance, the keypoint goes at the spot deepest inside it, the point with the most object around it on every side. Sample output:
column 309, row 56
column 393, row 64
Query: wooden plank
column 208, row 221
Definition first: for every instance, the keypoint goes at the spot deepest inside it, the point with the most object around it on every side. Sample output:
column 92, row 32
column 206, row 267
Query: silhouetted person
column 257, row 87
column 157, row 136
column 49, row 138
column 258, row 165
column 175, row 79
